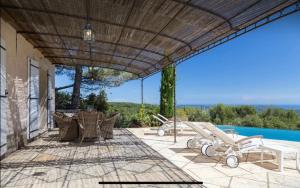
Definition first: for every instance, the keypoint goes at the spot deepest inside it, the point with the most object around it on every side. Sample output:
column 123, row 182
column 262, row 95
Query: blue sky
column 260, row 67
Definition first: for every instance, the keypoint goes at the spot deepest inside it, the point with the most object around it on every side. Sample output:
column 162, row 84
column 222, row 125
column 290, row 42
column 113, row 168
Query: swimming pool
column 278, row 134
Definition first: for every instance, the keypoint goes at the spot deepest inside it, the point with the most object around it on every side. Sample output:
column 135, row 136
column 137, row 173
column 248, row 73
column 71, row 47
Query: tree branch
column 63, row 87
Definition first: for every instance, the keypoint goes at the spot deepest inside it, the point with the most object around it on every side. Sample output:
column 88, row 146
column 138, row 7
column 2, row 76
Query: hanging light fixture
column 88, row 33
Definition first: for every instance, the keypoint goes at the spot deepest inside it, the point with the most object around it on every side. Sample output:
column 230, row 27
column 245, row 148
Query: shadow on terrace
column 46, row 161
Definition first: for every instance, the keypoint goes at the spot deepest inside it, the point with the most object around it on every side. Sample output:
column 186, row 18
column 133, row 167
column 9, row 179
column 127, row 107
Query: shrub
column 62, row 100
column 243, row 111
column 181, row 114
column 133, row 115
column 101, row 102
column 274, row 122
column 198, row 115
column 252, row 121
column 237, row 121
column 221, row 114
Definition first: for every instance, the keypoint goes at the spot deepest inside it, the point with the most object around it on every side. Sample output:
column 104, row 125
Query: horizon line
column 211, row 104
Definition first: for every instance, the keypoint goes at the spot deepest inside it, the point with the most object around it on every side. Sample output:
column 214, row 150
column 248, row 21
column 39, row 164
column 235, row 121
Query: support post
column 142, row 91
column 174, row 102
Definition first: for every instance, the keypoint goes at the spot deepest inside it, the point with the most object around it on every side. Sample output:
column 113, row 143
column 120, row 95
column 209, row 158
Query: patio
column 136, row 155
column 214, row 172
column 46, row 162
column 139, row 37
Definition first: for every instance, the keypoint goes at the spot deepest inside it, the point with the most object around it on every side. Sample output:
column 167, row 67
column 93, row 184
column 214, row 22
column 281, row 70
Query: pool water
column 278, row 134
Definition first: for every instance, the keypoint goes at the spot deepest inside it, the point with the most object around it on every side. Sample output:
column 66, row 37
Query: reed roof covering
column 137, row 36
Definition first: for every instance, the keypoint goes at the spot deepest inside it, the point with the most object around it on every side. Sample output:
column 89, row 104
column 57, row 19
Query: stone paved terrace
column 213, row 171
column 46, row 162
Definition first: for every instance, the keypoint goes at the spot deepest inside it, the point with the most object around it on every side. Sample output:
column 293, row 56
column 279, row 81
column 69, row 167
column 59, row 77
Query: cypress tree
column 167, row 91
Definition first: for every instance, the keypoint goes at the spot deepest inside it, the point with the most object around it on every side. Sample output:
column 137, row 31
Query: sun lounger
column 236, row 145
column 168, row 125
column 203, row 136
column 163, row 117
column 280, row 152
column 221, row 144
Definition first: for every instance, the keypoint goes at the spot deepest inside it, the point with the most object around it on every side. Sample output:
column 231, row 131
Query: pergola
column 137, row 36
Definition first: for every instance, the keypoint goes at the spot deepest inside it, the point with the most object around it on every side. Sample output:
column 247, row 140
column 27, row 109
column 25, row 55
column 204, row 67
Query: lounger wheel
column 160, row 132
column 190, row 143
column 232, row 161
column 208, row 150
column 203, row 148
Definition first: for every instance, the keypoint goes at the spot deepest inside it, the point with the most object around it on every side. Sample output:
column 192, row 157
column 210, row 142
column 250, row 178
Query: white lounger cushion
column 198, row 129
column 218, row 133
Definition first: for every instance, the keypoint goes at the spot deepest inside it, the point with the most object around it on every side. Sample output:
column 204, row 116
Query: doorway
column 34, row 98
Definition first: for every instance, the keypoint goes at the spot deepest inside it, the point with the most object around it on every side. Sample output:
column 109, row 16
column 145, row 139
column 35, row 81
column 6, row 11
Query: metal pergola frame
column 148, row 65
column 275, row 16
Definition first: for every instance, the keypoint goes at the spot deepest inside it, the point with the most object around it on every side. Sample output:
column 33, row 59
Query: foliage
column 193, row 114
column 251, row 121
column 143, row 118
column 96, row 78
column 274, row 122
column 98, row 102
column 243, row 111
column 181, row 114
column 101, row 102
column 91, row 99
column 248, row 116
column 222, row 114
column 275, row 118
column 134, row 115
column 62, row 100
column 167, row 91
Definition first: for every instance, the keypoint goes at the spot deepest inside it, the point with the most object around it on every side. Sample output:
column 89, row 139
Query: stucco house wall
column 18, row 53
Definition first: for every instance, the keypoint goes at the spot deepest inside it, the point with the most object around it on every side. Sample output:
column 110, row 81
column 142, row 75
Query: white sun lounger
column 221, row 144
column 167, row 125
column 280, row 152
column 236, row 146
column 210, row 138
column 203, row 135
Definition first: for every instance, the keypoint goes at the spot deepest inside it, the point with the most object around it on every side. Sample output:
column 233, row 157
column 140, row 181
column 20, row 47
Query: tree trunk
column 76, row 87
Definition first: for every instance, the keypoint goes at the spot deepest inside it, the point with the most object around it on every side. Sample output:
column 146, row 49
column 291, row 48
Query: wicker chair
column 89, row 123
column 68, row 127
column 107, row 127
